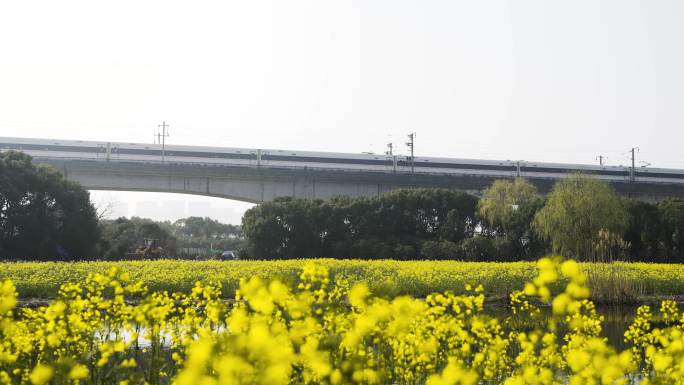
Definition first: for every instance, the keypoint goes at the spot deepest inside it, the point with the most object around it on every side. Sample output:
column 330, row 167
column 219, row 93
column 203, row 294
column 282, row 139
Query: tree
column 440, row 249
column 672, row 217
column 577, row 214
column 286, row 227
column 121, row 238
column 393, row 225
column 205, row 233
column 508, row 208
column 43, row 215
column 477, row 248
column 405, row 218
column 263, row 229
column 504, row 201
column 644, row 231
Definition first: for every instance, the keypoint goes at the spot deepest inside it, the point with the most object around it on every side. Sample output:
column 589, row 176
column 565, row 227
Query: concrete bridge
column 246, row 183
column 258, row 175
column 251, row 184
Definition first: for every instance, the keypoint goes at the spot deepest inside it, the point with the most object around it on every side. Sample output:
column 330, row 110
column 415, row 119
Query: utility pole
column 391, row 156
column 410, row 145
column 632, row 170
column 161, row 137
column 600, row 159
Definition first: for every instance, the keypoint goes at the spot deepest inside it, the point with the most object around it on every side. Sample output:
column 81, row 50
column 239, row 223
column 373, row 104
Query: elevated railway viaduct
column 258, row 175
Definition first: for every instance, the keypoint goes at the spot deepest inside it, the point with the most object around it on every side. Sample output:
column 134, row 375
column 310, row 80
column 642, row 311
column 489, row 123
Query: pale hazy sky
column 537, row 80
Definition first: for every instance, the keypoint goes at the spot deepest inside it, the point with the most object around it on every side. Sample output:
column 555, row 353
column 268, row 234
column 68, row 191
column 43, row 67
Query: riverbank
column 610, row 283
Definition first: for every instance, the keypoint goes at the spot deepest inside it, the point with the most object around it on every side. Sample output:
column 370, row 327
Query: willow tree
column 579, row 212
column 507, row 208
column 504, row 201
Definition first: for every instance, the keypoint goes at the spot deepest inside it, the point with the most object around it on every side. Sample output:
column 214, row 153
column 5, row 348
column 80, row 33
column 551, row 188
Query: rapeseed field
column 321, row 328
column 609, row 283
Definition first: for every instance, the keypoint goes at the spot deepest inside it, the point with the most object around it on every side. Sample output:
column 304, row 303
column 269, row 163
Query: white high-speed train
column 152, row 153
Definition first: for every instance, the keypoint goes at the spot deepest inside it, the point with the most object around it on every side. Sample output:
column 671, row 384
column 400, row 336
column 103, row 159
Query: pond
column 616, row 320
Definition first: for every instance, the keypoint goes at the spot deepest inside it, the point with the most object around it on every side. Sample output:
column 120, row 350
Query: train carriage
column 241, row 157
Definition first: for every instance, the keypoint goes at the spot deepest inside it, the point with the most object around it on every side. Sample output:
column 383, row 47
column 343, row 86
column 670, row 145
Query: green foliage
column 477, row 248
column 283, row 227
column 440, row 249
column 198, row 232
column 396, row 224
column 185, row 237
column 644, row 231
column 505, row 201
column 508, row 208
column 672, row 217
column 581, row 218
column 42, row 215
column 121, row 238
column 577, row 210
column 656, row 230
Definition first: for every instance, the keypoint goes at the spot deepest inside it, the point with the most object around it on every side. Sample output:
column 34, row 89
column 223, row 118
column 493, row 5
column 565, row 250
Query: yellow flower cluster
column 321, row 329
column 659, row 341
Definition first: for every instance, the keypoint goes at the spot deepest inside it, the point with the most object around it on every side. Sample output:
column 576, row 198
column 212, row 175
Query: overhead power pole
column 601, row 158
column 161, row 137
column 632, row 170
column 391, row 156
column 410, row 144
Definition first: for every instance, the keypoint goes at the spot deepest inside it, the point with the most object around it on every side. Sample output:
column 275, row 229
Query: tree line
column 43, row 216
column 142, row 238
column 582, row 217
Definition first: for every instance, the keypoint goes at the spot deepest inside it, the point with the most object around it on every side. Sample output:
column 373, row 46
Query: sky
column 557, row 81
